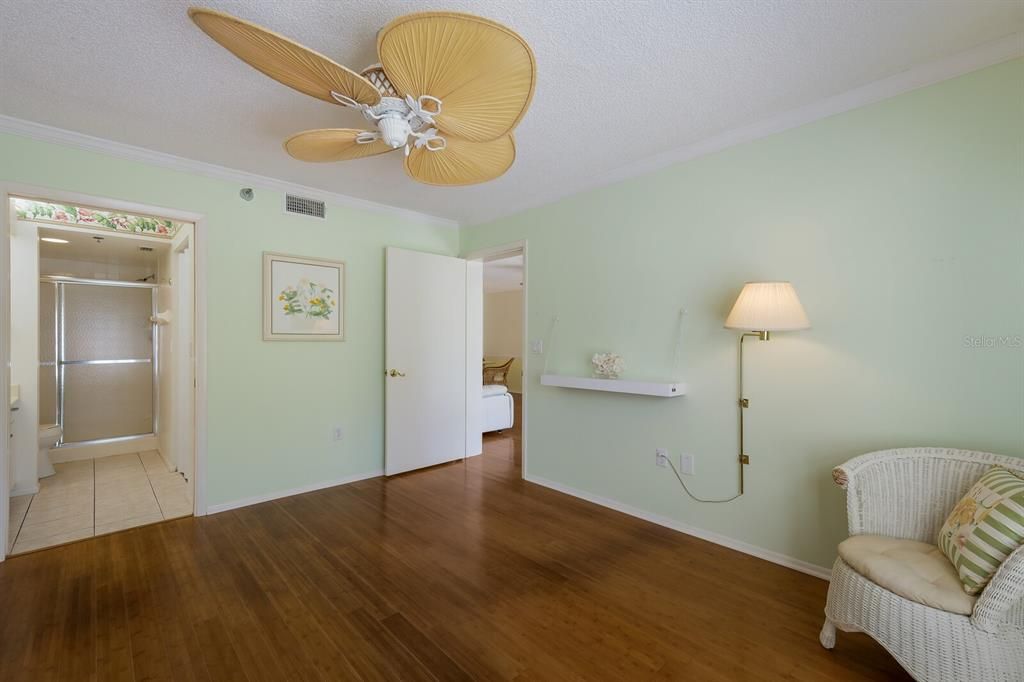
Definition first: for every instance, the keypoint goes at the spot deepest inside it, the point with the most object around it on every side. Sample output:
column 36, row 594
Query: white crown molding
column 988, row 54
column 922, row 75
column 70, row 138
column 716, row 538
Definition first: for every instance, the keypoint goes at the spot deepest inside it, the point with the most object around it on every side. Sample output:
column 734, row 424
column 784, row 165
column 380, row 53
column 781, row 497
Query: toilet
column 49, row 434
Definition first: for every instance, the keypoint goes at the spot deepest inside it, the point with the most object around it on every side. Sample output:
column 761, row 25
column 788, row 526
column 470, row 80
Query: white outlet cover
column 661, row 457
column 337, row 433
column 537, row 346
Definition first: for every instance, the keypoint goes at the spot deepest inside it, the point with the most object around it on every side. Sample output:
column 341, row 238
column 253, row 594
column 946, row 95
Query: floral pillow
column 985, row 527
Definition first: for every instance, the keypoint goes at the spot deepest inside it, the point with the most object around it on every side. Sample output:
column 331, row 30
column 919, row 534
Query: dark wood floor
column 459, row 572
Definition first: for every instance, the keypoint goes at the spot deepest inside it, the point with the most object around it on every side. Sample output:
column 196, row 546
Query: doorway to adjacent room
column 504, row 354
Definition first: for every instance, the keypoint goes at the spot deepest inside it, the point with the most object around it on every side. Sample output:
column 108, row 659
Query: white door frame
column 184, row 304
column 9, row 190
column 493, row 253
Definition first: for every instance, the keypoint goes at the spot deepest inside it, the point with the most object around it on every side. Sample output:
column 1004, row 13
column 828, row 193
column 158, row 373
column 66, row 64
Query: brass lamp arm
column 743, row 401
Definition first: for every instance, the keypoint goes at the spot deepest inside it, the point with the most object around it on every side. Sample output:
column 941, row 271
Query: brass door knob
column 395, row 373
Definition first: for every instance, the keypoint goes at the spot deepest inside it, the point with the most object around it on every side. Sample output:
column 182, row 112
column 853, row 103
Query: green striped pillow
column 985, row 527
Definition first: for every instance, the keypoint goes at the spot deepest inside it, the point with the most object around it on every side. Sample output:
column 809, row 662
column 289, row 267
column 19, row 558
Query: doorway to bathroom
column 102, row 372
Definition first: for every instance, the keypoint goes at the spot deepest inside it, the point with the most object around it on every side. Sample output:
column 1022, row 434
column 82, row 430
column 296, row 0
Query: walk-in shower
column 98, row 358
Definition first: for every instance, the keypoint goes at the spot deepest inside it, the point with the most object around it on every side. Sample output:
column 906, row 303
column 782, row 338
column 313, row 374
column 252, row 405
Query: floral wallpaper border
column 27, row 209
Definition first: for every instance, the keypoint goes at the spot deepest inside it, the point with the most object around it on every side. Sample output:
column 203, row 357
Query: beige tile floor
column 97, row 496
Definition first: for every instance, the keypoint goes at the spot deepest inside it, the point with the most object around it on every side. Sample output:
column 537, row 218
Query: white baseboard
column 167, row 463
column 19, row 490
column 257, row 499
column 738, row 545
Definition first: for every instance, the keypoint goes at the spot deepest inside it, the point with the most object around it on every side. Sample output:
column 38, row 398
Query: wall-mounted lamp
column 763, row 308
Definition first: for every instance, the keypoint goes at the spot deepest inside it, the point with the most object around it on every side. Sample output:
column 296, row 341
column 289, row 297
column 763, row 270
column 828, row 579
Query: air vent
column 303, row 206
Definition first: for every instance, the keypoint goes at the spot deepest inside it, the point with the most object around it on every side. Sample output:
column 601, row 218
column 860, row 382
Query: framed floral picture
column 303, row 298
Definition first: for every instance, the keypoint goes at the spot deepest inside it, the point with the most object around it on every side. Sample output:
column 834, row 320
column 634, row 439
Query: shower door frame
column 60, row 362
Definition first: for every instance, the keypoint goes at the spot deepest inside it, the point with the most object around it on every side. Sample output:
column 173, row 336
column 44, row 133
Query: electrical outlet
column 537, row 346
column 686, row 464
column 337, row 433
column 661, row 457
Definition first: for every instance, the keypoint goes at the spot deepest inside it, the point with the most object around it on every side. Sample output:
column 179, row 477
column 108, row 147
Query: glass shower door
column 48, row 372
column 105, row 351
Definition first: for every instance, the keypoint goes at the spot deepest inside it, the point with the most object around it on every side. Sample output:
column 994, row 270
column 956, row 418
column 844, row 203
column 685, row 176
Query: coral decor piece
column 607, row 365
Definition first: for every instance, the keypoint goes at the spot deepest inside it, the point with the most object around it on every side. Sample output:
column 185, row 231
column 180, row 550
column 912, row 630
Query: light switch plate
column 686, row 464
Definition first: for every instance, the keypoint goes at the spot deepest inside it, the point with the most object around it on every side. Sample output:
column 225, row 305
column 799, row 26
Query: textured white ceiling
column 112, row 249
column 619, row 81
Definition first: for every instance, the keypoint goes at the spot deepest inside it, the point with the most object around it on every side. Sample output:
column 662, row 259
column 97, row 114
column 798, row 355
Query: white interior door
column 428, row 368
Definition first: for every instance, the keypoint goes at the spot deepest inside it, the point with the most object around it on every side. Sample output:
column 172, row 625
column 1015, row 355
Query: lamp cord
column 742, row 402
column 675, row 366
column 692, row 496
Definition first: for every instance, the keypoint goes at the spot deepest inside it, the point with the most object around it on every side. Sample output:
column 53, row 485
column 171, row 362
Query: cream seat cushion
column 914, row 570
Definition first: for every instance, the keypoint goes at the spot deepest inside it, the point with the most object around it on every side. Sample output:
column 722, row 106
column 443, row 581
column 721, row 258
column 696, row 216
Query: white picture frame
column 303, row 298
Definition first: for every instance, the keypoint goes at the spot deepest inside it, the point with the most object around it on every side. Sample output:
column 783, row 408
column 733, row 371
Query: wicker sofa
column 907, row 493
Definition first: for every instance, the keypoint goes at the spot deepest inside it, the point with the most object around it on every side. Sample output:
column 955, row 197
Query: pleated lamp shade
column 768, row 307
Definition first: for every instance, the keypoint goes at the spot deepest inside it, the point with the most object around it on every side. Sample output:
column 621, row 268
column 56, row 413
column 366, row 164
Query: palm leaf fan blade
column 462, row 162
column 483, row 72
column 332, row 144
column 283, row 59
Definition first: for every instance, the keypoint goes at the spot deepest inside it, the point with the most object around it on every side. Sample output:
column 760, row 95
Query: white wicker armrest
column 1001, row 604
column 909, row 492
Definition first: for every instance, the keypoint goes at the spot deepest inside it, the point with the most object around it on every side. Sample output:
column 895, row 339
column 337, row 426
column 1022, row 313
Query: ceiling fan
column 449, row 89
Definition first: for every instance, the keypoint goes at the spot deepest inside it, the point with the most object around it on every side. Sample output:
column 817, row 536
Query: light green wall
column 900, row 225
column 271, row 404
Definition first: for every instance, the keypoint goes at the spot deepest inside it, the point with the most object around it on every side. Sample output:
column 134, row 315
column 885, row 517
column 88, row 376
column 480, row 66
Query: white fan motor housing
column 395, row 125
column 397, row 119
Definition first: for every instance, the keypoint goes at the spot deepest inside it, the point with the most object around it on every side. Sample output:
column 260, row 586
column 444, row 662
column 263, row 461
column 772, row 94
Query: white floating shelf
column 661, row 389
